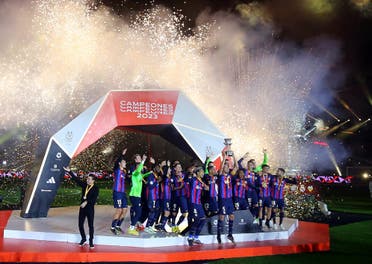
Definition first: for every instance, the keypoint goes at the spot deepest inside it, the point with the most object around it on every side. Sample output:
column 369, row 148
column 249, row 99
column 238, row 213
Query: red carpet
column 309, row 237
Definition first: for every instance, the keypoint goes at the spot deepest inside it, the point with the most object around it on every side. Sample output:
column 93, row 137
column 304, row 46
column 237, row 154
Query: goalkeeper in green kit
column 135, row 196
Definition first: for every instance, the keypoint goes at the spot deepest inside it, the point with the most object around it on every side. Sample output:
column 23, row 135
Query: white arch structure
column 168, row 113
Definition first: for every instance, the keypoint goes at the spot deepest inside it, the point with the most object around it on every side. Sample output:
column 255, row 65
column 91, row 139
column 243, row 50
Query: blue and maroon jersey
column 277, row 189
column 179, row 181
column 196, row 191
column 119, row 180
column 173, row 182
column 225, row 186
column 188, row 186
column 265, row 185
column 239, row 187
column 251, row 179
column 212, row 183
column 157, row 187
column 152, row 188
column 166, row 192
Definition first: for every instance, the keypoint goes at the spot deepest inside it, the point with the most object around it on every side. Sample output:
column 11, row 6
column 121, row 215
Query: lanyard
column 87, row 190
column 265, row 178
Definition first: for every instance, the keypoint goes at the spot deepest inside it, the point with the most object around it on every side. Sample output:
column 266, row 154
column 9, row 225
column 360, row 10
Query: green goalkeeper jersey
column 137, row 177
column 259, row 167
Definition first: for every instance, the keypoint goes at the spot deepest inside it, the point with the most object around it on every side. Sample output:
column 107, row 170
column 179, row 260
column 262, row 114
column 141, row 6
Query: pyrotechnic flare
column 347, row 107
column 354, row 128
column 58, row 57
column 334, row 128
column 324, row 109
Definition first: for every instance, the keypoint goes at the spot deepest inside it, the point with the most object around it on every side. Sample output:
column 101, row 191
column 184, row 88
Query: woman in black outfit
column 89, row 194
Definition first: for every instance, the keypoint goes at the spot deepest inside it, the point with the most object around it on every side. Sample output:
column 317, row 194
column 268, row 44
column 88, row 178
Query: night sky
column 349, row 23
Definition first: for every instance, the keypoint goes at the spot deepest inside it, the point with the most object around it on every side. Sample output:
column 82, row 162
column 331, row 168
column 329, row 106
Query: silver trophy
column 228, row 143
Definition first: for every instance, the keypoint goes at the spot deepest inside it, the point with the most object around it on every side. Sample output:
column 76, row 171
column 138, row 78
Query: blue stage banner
column 47, row 183
column 243, row 223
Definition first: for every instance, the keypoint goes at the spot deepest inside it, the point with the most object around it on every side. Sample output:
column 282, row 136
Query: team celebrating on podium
column 159, row 193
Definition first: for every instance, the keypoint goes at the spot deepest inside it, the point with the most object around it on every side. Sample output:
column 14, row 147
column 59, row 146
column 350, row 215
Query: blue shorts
column 152, row 204
column 197, row 211
column 279, row 203
column 165, row 205
column 173, row 204
column 240, row 203
column 120, row 199
column 265, row 202
column 212, row 205
column 180, row 202
column 252, row 198
column 226, row 206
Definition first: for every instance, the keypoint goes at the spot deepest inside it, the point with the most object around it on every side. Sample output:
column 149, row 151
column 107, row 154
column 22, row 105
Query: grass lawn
column 349, row 243
column 356, row 205
column 348, row 198
column 11, row 195
column 10, row 191
column 67, row 195
column 71, row 196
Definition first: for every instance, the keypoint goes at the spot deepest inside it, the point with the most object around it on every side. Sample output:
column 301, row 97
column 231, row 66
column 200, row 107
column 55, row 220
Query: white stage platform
column 62, row 225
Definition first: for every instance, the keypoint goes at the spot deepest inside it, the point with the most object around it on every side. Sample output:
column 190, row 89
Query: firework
column 70, row 54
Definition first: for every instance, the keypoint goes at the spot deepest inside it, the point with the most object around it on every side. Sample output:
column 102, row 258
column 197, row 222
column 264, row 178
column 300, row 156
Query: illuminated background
column 271, row 74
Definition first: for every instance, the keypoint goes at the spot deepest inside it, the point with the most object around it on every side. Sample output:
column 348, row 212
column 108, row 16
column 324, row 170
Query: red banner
column 145, row 107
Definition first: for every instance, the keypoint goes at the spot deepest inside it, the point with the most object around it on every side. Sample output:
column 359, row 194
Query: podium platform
column 55, row 238
column 61, row 226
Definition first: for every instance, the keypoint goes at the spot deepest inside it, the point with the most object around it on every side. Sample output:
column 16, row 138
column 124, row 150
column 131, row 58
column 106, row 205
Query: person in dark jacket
column 89, row 194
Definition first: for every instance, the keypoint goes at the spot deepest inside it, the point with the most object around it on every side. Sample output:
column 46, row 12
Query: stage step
column 61, row 226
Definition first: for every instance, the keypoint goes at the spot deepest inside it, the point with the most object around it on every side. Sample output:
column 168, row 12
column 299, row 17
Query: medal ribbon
column 87, row 190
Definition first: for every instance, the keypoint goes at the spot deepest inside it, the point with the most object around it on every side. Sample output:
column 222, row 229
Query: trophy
column 228, row 143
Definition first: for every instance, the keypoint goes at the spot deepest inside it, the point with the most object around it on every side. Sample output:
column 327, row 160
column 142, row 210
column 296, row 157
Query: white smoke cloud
column 57, row 57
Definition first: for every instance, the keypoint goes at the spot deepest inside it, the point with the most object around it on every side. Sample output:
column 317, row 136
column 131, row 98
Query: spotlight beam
column 314, row 118
column 333, row 129
column 347, row 107
column 325, row 110
column 333, row 160
column 354, row 128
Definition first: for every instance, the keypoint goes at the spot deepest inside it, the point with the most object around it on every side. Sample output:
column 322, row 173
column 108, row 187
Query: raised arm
column 74, row 177
column 206, row 163
column 235, row 169
column 121, row 157
column 152, row 161
column 139, row 168
column 222, row 164
column 241, row 160
column 264, row 162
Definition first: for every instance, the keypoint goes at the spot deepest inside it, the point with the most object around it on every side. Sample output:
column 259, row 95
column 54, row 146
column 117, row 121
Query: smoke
column 57, row 57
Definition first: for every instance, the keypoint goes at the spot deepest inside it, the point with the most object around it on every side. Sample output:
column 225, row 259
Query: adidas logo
column 51, row 180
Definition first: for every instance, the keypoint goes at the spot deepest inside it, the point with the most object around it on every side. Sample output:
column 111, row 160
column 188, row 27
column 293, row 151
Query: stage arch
column 168, row 113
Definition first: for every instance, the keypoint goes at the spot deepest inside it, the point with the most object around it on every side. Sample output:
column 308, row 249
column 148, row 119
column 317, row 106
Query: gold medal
column 87, row 190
